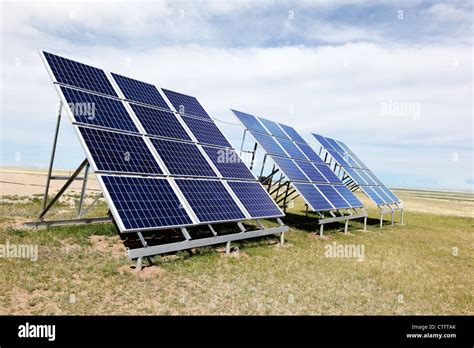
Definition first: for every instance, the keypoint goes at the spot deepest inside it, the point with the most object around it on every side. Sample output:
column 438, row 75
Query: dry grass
column 406, row 270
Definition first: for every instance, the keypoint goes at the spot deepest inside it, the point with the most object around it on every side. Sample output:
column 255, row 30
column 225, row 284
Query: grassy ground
column 425, row 267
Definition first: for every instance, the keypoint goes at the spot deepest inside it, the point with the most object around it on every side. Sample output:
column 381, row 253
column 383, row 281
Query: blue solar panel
column 210, row 200
column 354, row 176
column 348, row 196
column 228, row 163
column 119, row 152
column 269, row 144
column 382, row 195
column 374, row 178
column 292, row 133
column 139, row 91
column 159, row 122
column 186, row 104
column 328, row 173
column 291, row 149
column 351, row 161
column 290, row 169
column 255, row 199
column 366, row 177
column 96, row 110
column 335, row 145
column 358, row 161
column 183, row 158
column 344, row 146
column 79, row 75
column 390, row 194
column 322, row 140
column 311, row 172
column 333, row 196
column 372, row 195
column 145, row 203
column 206, row 132
column 310, row 154
column 250, row 122
column 339, row 159
column 317, row 201
column 274, row 129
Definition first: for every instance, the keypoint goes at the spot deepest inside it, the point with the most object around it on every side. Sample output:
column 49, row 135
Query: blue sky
column 345, row 69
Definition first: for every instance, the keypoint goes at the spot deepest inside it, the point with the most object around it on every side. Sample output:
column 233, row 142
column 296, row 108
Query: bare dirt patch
column 106, row 244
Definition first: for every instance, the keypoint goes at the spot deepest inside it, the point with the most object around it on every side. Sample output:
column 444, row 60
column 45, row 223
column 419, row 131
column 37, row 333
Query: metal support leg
column 365, row 224
column 282, row 238
column 321, row 229
column 263, row 164
column 139, row 264
column 346, row 226
column 393, row 217
column 53, row 153
column 381, row 220
column 83, row 190
column 227, row 248
column 253, row 156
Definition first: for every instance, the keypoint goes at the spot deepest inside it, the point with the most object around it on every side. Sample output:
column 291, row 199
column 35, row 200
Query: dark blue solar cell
column 358, row 161
column 228, row 163
column 351, row 161
column 348, row 196
column 139, row 91
column 382, row 195
column 366, row 177
column 186, row 104
column 269, row 144
column 309, row 152
column 210, row 200
column 159, row 122
column 390, row 194
column 333, row 196
column 255, row 199
column 119, row 152
column 79, row 75
column 312, row 196
column 339, row 159
column 372, row 195
column 290, row 169
column 183, row 158
column 292, row 133
column 328, row 173
column 336, row 146
column 274, row 129
column 311, row 172
column 322, row 140
column 250, row 122
column 206, row 132
column 354, row 176
column 291, row 148
column 96, row 110
column 145, row 203
column 374, row 178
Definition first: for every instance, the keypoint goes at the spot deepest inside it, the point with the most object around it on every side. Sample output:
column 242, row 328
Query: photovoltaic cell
column 206, row 132
column 269, row 144
column 186, row 104
column 182, row 158
column 255, row 199
column 95, row 110
column 210, row 200
column 159, row 122
column 322, row 140
column 333, row 196
column 382, row 195
column 373, row 195
column 310, row 154
column 311, row 172
column 291, row 149
column 274, row 129
column 291, row 170
column 366, row 178
column 119, row 152
column 79, row 75
column 348, row 196
column 390, row 194
column 145, row 203
column 374, row 178
column 328, row 173
column 354, row 176
column 335, row 145
column 250, row 122
column 339, row 158
column 139, row 91
column 292, row 133
column 317, row 201
column 228, row 163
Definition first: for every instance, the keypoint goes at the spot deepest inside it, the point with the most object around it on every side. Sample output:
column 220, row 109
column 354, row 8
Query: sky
column 393, row 80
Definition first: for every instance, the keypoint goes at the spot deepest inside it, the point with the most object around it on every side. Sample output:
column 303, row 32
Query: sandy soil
column 27, row 182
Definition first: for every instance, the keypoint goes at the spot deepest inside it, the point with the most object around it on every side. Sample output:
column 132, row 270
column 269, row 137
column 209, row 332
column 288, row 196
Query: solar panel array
column 311, row 177
column 357, row 171
column 160, row 159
